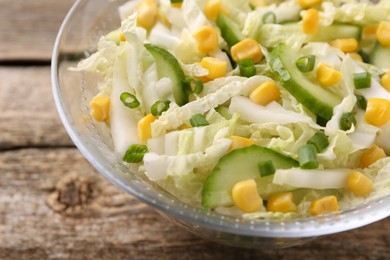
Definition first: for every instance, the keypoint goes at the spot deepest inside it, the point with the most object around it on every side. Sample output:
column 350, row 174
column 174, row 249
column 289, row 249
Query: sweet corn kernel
column 122, row 37
column 346, row 45
column 100, row 108
column 216, row 67
column 383, row 33
column 204, row 79
column 177, row 5
column 147, row 14
column 324, row 205
column 371, row 155
column 245, row 196
column 359, row 184
column 281, row 202
column 144, row 128
column 207, row 39
column 370, row 30
column 308, row 3
column 327, row 76
column 310, row 21
column 213, row 8
column 377, row 111
column 239, row 142
column 356, row 56
column 385, row 81
column 247, row 49
column 265, row 93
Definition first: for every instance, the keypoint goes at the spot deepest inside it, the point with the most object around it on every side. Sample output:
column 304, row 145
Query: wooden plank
column 28, row 115
column 54, row 206
column 28, row 28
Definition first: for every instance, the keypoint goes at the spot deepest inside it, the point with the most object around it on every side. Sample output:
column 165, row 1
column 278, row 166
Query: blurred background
column 53, row 205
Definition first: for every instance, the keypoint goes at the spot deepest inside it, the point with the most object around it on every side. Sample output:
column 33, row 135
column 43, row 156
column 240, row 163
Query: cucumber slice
column 380, row 57
column 168, row 66
column 271, row 34
column 336, row 31
column 238, row 165
column 229, row 29
column 312, row 96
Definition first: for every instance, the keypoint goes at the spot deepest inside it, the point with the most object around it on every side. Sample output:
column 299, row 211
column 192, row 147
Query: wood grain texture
column 28, row 28
column 28, row 115
column 55, row 206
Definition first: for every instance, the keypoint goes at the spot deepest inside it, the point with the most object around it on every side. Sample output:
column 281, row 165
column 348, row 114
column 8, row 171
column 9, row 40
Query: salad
column 258, row 109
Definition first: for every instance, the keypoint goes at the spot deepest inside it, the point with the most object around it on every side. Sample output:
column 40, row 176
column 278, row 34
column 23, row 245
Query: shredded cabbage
column 182, row 159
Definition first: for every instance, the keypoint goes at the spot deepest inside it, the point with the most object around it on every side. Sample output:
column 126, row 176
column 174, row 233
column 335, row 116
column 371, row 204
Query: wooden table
column 52, row 202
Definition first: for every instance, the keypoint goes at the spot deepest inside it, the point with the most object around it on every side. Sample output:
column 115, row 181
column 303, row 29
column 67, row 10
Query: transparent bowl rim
column 307, row 227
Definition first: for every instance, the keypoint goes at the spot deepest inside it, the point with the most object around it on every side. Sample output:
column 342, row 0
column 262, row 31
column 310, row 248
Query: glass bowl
column 77, row 38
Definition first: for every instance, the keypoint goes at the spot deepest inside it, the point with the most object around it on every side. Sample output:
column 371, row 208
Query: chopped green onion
column 129, row 100
column 306, row 63
column 362, row 80
column 266, row 168
column 307, row 157
column 135, row 153
column 198, row 120
column 247, row 67
column 193, row 85
column 364, row 56
column 347, row 120
column 321, row 121
column 361, row 102
column 319, row 140
column 159, row 107
column 176, row 1
column 269, row 17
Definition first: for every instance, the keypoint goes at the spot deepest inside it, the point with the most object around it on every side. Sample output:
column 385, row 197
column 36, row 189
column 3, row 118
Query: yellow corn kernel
column 212, row 9
column 122, row 37
column 239, row 142
column 177, row 5
column 385, row 81
column 100, row 108
column 324, row 205
column 147, row 14
column 281, row 202
column 308, row 3
column 371, row 155
column 359, row 184
column 245, row 196
column 370, row 30
column 265, row 93
column 144, row 128
column 383, row 33
column 216, row 67
column 204, row 79
column 356, row 56
column 346, row 45
column 310, row 21
column 377, row 111
column 327, row 76
column 206, row 39
column 247, row 49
